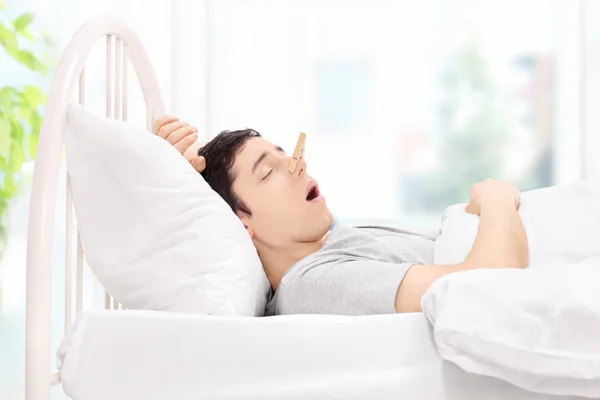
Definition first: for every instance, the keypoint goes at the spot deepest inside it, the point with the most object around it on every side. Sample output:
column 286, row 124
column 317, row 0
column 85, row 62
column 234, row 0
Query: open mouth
column 313, row 191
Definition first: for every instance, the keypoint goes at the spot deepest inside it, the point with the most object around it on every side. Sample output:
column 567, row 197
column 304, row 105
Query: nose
column 300, row 167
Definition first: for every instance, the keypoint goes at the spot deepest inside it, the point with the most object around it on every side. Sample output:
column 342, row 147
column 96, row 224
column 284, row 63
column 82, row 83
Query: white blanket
column 562, row 225
column 537, row 328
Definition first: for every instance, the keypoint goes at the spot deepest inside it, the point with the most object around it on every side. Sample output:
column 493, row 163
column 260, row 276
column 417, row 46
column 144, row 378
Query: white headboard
column 122, row 46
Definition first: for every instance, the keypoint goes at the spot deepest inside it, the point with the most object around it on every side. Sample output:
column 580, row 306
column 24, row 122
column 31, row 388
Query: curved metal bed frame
column 122, row 46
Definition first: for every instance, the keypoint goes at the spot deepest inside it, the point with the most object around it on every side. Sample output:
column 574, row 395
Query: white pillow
column 561, row 223
column 537, row 328
column 153, row 232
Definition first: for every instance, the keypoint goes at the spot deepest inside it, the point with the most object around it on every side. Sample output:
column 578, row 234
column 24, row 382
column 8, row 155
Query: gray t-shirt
column 357, row 271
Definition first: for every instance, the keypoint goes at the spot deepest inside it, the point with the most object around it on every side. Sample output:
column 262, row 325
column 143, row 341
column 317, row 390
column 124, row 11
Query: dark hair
column 220, row 155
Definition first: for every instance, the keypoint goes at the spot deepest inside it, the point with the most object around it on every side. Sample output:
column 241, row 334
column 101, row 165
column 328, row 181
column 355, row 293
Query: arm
column 501, row 243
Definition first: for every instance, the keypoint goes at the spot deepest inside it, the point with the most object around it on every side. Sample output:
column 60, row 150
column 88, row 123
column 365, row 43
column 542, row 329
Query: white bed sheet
column 126, row 355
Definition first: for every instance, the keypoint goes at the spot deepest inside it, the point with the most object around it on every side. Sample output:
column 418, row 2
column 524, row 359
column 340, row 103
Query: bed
column 153, row 355
column 126, row 354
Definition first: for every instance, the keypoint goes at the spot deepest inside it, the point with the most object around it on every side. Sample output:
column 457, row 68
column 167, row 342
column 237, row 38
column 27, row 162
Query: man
column 345, row 270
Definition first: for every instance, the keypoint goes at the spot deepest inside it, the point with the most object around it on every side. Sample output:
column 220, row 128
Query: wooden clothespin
column 298, row 152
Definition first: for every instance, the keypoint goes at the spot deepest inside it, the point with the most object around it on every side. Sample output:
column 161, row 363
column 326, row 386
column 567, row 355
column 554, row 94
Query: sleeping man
column 345, row 270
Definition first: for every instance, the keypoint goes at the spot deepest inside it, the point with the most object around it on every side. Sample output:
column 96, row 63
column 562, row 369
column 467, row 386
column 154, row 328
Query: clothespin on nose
column 298, row 152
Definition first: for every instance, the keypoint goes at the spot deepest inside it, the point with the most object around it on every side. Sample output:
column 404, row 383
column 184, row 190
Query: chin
column 329, row 216
column 327, row 220
column 316, row 226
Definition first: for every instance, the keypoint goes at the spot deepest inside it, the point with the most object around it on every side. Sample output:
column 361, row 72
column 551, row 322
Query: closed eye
column 266, row 176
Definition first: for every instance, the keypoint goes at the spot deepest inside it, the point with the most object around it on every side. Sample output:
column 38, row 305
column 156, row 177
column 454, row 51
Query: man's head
column 278, row 208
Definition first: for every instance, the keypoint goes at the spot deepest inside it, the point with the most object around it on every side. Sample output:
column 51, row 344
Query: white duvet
column 562, row 225
column 537, row 328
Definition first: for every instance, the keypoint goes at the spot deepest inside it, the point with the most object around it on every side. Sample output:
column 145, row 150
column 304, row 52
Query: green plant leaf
column 27, row 58
column 3, row 203
column 17, row 157
column 7, row 96
column 33, row 96
column 25, row 33
column 9, row 186
column 25, row 112
column 47, row 39
column 36, row 123
column 8, row 39
column 4, row 138
column 33, row 144
column 16, row 131
column 23, row 21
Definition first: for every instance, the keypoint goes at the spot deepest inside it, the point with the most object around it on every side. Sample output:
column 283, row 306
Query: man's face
column 286, row 207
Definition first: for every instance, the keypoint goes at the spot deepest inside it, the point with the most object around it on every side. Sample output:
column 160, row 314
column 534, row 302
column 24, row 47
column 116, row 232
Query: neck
column 277, row 260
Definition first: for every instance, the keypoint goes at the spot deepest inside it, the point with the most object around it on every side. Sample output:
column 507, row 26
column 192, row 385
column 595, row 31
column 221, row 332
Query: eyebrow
column 262, row 157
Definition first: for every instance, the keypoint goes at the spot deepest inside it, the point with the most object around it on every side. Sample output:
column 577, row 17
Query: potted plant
column 20, row 106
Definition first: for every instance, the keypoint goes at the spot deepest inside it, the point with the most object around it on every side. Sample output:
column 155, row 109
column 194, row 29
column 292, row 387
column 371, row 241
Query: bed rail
column 122, row 46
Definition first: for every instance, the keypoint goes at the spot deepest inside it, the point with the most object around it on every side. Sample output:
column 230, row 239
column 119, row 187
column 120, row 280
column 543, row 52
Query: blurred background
column 406, row 103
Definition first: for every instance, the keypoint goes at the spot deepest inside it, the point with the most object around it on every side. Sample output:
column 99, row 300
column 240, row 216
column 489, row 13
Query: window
column 416, row 100
column 343, row 96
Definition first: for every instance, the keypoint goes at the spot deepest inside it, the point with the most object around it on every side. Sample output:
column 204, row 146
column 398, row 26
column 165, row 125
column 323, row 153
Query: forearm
column 501, row 241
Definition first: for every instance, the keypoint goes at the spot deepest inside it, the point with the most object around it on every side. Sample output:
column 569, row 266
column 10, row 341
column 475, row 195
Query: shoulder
column 295, row 295
column 307, row 286
column 378, row 230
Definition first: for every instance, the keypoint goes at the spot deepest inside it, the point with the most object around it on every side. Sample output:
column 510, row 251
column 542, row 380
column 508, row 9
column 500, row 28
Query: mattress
column 126, row 355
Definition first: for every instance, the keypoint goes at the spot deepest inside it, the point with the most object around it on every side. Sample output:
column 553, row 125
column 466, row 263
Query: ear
column 246, row 221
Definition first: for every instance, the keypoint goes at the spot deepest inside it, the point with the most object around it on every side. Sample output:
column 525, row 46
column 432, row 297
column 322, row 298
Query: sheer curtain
column 405, row 103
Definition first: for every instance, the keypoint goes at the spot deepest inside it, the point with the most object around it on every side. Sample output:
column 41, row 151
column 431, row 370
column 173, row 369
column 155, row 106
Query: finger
column 192, row 151
column 161, row 121
column 471, row 209
column 199, row 163
column 175, row 136
column 186, row 142
column 517, row 201
column 169, row 128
